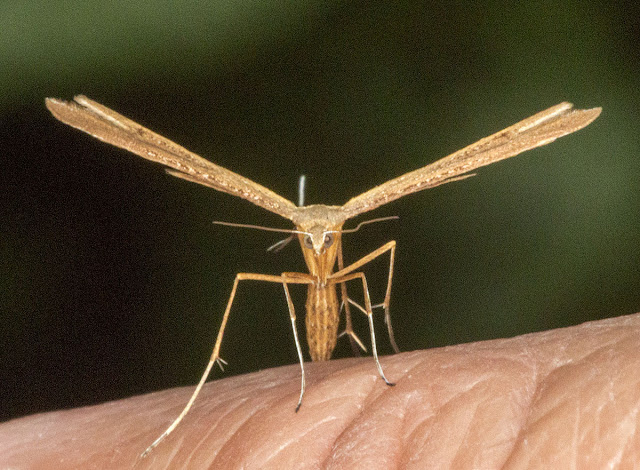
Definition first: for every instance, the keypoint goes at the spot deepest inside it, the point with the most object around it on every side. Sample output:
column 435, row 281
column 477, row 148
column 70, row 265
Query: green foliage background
column 113, row 279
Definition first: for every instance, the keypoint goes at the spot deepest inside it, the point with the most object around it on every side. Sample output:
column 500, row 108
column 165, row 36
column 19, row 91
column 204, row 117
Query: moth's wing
column 113, row 128
column 540, row 129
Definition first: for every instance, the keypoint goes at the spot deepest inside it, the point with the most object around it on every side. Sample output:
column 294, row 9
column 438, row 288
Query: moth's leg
column 391, row 248
column 355, row 342
column 296, row 278
column 215, row 355
column 363, row 310
column 387, row 297
column 369, row 312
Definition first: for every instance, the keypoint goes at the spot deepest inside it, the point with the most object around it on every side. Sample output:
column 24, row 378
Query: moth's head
column 319, row 238
column 319, row 227
column 320, row 245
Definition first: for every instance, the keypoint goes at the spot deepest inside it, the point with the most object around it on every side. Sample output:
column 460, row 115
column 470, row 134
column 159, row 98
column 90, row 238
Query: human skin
column 566, row 398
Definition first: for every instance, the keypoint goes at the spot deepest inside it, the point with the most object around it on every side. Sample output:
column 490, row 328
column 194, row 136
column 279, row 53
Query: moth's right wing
column 113, row 128
column 535, row 131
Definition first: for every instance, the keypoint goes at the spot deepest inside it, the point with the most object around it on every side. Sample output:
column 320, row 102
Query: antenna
column 258, row 227
column 370, row 221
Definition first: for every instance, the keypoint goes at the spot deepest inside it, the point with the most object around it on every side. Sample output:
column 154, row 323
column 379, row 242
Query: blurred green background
column 113, row 278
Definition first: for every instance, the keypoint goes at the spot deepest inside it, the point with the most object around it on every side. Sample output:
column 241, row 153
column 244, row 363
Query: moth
column 319, row 228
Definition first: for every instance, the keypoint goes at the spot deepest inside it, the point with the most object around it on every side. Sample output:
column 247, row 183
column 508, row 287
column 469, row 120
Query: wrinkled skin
column 565, row 398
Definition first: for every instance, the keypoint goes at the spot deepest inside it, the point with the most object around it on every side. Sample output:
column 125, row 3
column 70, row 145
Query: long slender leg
column 292, row 314
column 356, row 344
column 367, row 305
column 387, row 299
column 215, row 355
column 391, row 247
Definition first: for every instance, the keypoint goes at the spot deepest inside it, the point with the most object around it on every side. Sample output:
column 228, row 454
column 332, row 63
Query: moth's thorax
column 318, row 214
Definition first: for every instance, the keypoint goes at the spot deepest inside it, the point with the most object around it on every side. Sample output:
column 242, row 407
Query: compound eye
column 328, row 240
column 307, row 241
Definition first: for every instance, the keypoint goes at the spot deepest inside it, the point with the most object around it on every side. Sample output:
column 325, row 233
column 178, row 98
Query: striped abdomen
column 322, row 321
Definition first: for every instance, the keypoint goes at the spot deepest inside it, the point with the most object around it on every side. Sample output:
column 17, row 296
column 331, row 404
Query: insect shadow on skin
column 318, row 228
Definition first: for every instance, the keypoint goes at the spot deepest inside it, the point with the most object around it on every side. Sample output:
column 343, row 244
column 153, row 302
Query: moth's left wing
column 540, row 129
column 113, row 128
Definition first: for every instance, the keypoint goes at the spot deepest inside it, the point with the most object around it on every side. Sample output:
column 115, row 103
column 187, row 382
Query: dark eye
column 328, row 240
column 307, row 241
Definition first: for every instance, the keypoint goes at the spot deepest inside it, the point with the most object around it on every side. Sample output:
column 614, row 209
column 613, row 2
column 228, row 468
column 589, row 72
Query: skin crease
column 566, row 398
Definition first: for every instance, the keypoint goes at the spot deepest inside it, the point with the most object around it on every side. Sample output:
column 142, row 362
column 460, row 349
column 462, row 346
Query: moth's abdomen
column 322, row 321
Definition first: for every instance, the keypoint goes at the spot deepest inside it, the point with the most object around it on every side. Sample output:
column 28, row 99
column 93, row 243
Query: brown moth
column 318, row 227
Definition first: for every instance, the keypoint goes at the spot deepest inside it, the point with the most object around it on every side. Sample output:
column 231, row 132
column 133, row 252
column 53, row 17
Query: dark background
column 113, row 279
